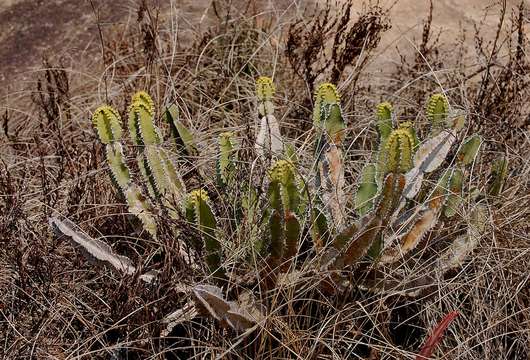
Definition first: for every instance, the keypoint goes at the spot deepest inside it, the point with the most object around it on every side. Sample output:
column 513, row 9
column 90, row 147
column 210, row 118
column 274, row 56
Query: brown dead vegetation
column 54, row 304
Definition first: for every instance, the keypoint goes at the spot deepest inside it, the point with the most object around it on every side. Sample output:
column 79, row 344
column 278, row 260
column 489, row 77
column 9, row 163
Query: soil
column 31, row 29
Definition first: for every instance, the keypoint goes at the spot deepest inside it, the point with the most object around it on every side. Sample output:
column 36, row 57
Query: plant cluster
column 300, row 226
column 237, row 294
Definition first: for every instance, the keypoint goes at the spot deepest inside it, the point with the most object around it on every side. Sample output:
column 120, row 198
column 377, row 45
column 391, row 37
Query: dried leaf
column 424, row 223
column 211, row 298
column 379, row 282
column 239, row 316
column 414, row 179
column 332, row 181
column 186, row 313
column 96, row 250
column 428, row 348
column 428, row 158
column 463, row 245
column 433, row 152
column 421, row 222
column 360, row 242
column 269, row 139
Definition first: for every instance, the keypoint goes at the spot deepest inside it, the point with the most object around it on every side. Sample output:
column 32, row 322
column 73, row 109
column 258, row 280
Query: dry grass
column 54, row 304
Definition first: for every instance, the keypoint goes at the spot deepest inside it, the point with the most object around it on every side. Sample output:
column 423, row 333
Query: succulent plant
column 395, row 207
column 330, row 127
column 269, row 140
column 499, row 171
column 199, row 211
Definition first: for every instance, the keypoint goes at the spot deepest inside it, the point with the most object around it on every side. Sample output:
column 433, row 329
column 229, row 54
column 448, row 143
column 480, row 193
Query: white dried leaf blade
column 422, row 221
column 211, row 298
column 269, row 138
column 238, row 316
column 186, row 313
column 413, row 180
column 462, row 246
column 332, row 179
column 434, row 151
column 95, row 249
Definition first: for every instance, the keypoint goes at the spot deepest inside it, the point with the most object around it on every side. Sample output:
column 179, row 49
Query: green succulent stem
column 181, row 135
column 499, row 171
column 265, row 92
column 226, row 162
column 396, row 154
column 198, row 209
column 384, row 121
column 437, row 111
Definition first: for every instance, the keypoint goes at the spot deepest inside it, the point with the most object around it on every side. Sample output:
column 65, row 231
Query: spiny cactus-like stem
column 143, row 98
column 226, row 166
column 367, row 190
column 107, row 122
column 265, row 90
column 269, row 140
column 499, row 171
column 372, row 173
column 119, row 170
column 390, row 196
column 329, row 125
column 284, row 225
column 145, row 101
column 292, row 235
column 159, row 170
column 154, row 163
column 384, row 121
column 389, row 183
column 277, row 234
column 198, row 209
column 150, row 134
column 396, row 155
column 437, row 110
column 283, row 174
column 320, row 231
column 156, row 167
column 327, row 115
column 145, row 172
column 182, row 136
